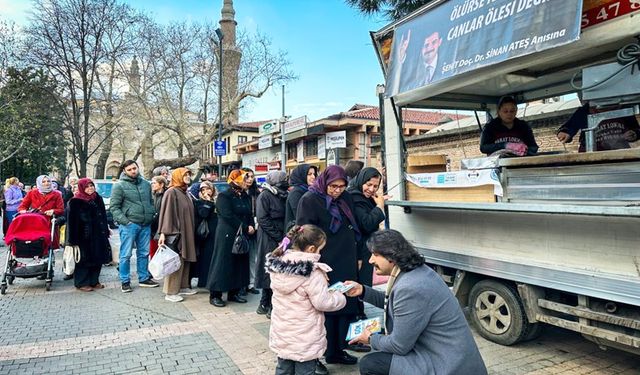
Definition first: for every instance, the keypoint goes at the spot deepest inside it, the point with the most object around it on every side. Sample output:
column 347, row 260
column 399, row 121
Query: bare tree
column 70, row 39
column 179, row 90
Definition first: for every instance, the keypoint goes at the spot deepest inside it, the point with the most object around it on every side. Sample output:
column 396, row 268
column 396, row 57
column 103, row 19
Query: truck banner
column 458, row 36
column 457, row 179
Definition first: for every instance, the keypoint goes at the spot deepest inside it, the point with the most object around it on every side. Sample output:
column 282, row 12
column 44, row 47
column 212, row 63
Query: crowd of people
column 289, row 239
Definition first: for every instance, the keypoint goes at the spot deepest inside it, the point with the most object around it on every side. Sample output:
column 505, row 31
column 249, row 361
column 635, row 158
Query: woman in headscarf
column 205, row 211
column 12, row 197
column 270, row 215
column 301, row 178
column 176, row 225
column 329, row 207
column 230, row 272
column 44, row 200
column 369, row 212
column 87, row 228
column 158, row 188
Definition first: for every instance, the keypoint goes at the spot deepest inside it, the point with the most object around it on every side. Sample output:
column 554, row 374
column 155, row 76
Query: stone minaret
column 231, row 63
column 134, row 78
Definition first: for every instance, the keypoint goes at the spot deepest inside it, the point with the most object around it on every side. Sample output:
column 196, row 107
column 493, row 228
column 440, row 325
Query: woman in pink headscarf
column 87, row 228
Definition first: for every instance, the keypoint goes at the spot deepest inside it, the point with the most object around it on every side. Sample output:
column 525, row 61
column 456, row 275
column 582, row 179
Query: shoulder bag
column 240, row 244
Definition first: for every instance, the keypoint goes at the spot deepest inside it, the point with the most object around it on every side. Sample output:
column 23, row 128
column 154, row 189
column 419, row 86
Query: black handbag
column 171, row 241
column 203, row 230
column 240, row 243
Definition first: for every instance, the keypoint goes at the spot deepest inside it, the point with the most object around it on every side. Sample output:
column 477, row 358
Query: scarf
column 395, row 272
column 276, row 183
column 177, row 178
column 80, row 194
column 41, row 188
column 236, row 180
column 355, row 185
column 335, row 206
column 298, row 176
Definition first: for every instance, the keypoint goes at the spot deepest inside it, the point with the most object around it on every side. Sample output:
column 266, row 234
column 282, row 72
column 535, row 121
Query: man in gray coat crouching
column 426, row 332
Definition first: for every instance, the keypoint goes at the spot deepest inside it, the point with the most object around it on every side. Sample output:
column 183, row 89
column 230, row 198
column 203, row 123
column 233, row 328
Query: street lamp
column 218, row 43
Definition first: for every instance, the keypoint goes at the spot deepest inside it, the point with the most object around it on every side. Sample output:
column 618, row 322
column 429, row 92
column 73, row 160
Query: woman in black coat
column 205, row 211
column 87, row 228
column 368, row 209
column 229, row 272
column 270, row 215
column 301, row 178
column 328, row 206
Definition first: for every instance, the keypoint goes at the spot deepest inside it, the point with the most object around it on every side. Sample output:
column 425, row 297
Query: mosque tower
column 231, row 56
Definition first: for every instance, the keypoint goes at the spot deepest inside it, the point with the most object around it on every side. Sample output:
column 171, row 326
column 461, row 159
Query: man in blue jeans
column 132, row 208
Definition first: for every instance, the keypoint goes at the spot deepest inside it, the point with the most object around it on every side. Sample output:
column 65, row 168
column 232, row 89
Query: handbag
column 240, row 243
column 164, row 262
column 70, row 257
column 203, row 230
column 171, row 241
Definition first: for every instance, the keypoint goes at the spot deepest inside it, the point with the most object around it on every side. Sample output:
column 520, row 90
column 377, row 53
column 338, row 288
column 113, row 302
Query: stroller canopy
column 29, row 227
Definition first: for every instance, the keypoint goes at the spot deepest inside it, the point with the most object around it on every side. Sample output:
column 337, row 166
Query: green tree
column 390, row 9
column 31, row 123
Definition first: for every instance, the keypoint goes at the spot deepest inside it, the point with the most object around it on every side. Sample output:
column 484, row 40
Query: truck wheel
column 497, row 312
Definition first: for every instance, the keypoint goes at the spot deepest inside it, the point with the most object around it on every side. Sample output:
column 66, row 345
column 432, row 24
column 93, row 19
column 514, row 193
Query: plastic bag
column 164, row 263
column 114, row 242
column 70, row 257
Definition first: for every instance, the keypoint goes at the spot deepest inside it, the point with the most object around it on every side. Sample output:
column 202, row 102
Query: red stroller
column 30, row 235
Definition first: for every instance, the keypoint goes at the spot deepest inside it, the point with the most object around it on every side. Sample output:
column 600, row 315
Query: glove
column 519, row 149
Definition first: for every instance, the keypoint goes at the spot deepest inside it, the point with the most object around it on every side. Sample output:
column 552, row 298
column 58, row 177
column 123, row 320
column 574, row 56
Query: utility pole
column 283, row 145
column 220, row 38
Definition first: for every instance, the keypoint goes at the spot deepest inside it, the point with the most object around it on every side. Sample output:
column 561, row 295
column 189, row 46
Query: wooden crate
column 476, row 194
column 426, row 163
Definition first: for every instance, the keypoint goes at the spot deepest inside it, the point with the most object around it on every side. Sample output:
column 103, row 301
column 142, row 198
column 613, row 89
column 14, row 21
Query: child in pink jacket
column 300, row 296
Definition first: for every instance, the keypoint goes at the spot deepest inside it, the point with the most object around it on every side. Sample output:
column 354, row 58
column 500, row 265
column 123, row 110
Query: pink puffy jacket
column 300, row 296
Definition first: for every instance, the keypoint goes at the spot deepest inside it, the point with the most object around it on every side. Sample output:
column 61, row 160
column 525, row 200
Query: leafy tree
column 390, row 9
column 31, row 123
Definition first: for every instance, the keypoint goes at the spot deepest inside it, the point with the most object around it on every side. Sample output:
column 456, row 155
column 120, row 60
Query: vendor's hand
column 364, row 338
column 630, row 136
column 519, row 149
column 356, row 291
column 251, row 230
column 563, row 137
column 161, row 239
column 49, row 212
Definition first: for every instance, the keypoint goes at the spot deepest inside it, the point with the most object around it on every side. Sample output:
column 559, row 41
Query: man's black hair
column 392, row 245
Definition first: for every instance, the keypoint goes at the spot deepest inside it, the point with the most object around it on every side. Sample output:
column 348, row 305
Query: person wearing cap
column 230, row 272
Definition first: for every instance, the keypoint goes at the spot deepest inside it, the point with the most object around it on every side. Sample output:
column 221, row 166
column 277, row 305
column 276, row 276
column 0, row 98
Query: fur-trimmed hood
column 292, row 269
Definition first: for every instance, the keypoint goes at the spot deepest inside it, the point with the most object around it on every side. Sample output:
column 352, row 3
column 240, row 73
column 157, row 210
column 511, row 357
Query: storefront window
column 311, row 147
column 292, row 151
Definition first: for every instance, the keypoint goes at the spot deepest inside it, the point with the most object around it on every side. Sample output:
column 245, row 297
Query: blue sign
column 220, row 148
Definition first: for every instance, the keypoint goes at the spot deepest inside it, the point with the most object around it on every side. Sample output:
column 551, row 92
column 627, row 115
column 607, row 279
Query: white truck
column 562, row 244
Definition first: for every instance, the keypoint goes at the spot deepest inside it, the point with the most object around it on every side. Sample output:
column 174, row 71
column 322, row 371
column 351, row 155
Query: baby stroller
column 30, row 235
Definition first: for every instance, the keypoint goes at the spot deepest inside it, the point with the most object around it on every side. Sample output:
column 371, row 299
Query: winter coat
column 300, row 296
column 157, row 204
column 13, row 197
column 229, row 271
column 43, row 202
column 131, row 201
column 87, row 228
column 177, row 218
column 298, row 180
column 428, row 333
column 205, row 210
column 369, row 216
column 340, row 252
column 270, row 215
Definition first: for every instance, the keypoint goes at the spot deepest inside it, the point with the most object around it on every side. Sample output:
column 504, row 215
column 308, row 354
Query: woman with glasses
column 328, row 206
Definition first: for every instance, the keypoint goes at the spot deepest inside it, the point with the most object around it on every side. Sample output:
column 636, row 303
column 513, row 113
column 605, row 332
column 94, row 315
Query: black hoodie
column 298, row 180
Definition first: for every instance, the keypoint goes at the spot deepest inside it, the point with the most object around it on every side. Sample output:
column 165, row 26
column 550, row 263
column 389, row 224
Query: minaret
column 231, row 62
column 134, row 78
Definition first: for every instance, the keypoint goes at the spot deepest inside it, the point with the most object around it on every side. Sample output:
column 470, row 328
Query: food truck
column 523, row 241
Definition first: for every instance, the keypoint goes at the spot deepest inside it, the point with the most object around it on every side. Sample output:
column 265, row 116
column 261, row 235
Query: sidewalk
column 65, row 331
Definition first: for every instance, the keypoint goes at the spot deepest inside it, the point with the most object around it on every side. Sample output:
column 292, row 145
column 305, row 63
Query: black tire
column 497, row 312
column 3, row 289
column 10, row 279
column 533, row 331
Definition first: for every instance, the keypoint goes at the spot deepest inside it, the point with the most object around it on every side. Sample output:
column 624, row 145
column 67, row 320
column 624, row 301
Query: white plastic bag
column 164, row 263
column 70, row 257
column 114, row 242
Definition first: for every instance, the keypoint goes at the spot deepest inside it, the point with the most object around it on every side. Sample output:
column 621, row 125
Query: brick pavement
column 106, row 332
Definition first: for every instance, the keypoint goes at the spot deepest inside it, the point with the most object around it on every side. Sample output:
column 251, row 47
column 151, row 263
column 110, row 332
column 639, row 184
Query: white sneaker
column 173, row 298
column 187, row 292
